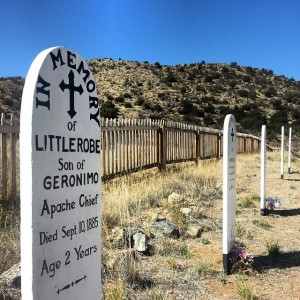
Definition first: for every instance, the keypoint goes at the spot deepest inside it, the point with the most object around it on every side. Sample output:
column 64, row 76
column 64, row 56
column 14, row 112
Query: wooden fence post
column 13, row 166
column 4, row 159
column 197, row 146
column 219, row 145
column 245, row 144
column 163, row 148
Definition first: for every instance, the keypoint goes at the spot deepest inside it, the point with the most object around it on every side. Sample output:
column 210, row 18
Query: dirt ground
column 196, row 273
column 273, row 277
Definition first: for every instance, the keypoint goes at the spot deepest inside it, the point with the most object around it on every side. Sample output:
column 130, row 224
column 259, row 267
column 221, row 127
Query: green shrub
column 208, row 120
column 244, row 290
column 278, row 119
column 273, row 248
column 253, row 120
column 262, row 224
column 128, row 105
column 243, row 93
column 109, row 110
column 139, row 101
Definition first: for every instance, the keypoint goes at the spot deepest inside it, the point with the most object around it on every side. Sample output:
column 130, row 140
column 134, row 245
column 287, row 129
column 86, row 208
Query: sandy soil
column 272, row 277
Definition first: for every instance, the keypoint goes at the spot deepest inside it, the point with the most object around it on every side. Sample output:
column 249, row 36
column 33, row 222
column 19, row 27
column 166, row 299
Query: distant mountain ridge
column 197, row 93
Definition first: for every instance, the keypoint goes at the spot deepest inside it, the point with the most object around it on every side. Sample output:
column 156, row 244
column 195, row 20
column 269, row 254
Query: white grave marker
column 282, row 154
column 290, row 150
column 229, row 188
column 263, row 171
column 60, row 179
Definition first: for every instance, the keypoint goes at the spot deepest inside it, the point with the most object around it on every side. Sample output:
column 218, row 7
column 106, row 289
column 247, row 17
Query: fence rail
column 129, row 145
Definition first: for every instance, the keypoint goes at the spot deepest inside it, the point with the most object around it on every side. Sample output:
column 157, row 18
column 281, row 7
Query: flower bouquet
column 273, row 203
column 241, row 259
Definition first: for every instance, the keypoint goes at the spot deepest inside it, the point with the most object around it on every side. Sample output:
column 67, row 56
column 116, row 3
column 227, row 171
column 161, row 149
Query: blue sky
column 256, row 33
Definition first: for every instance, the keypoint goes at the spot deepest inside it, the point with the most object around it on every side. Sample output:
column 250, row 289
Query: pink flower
column 241, row 253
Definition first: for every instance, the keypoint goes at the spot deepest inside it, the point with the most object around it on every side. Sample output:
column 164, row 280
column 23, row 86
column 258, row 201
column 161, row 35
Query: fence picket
column 13, row 165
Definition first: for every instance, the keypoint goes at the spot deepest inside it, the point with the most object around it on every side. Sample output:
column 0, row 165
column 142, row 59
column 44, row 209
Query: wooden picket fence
column 10, row 175
column 128, row 145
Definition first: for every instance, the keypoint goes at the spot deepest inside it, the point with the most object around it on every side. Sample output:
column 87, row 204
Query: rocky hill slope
column 196, row 93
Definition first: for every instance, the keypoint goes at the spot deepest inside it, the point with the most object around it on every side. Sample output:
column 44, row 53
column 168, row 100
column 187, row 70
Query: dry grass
column 192, row 267
column 9, row 237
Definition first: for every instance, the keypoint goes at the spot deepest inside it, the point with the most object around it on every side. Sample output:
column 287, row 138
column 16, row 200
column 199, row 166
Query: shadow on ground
column 292, row 179
column 281, row 261
column 294, row 172
column 286, row 212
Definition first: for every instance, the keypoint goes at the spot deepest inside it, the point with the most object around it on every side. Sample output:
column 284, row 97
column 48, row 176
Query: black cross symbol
column 232, row 134
column 72, row 88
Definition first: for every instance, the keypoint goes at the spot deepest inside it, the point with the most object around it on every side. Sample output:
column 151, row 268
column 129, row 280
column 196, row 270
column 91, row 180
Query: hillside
column 197, row 93
column 11, row 89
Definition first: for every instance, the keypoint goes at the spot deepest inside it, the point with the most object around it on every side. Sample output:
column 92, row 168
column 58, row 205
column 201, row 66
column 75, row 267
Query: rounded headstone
column 60, row 179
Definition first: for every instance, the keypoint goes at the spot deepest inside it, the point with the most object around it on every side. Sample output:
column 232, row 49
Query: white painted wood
column 290, row 150
column 229, row 186
column 59, row 146
column 282, row 154
column 263, row 170
column 4, row 159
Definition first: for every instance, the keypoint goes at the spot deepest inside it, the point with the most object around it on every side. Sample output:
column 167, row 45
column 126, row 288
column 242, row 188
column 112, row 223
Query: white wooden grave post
column 263, row 171
column 282, row 154
column 229, row 189
column 60, row 179
column 290, row 150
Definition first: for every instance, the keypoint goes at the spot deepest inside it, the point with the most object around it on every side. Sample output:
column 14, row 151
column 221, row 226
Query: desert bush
column 278, row 119
column 156, row 294
column 273, row 247
column 208, row 120
column 127, row 95
column 158, row 65
column 191, row 119
column 262, row 224
column 139, row 101
column 205, row 269
column 183, row 251
column 249, row 201
column 243, row 93
column 277, row 104
column 239, row 113
column 109, row 110
column 200, row 88
column 128, row 105
column 253, row 120
column 224, row 110
column 247, row 78
column 147, row 104
column 156, row 107
column 120, row 99
column 210, row 109
column 183, row 90
column 156, row 116
column 170, row 78
column 270, row 92
column 188, row 108
column 8, row 102
column 244, row 290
